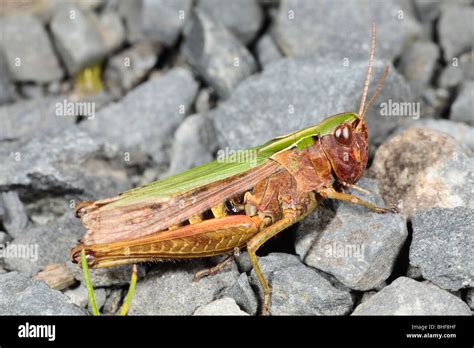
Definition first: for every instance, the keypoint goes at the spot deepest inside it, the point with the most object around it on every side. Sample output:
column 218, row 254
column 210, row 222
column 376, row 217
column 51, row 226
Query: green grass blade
column 131, row 292
column 87, row 279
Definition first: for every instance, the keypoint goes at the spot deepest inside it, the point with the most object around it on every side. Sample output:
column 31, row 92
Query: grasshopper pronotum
column 224, row 206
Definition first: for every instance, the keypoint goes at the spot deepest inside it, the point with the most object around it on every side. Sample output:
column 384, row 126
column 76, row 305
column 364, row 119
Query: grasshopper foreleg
column 342, row 196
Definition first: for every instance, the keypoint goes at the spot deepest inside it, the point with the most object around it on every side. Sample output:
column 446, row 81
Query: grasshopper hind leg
column 217, row 268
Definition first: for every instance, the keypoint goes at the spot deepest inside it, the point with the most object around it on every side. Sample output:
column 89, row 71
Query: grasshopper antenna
column 378, row 89
column 369, row 73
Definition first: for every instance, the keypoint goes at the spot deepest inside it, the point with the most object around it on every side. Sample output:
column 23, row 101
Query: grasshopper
column 223, row 206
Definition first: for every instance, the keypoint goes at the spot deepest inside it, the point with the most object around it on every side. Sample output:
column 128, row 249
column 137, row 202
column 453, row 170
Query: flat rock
column 38, row 247
column 193, row 145
column 418, row 64
column 423, row 169
column 242, row 17
column 71, row 27
column 443, row 245
column 67, row 161
column 14, row 219
column 405, row 296
column 222, row 306
column 216, row 55
column 291, row 94
column 298, row 289
column 21, row 295
column 243, row 294
column 24, row 119
column 313, row 28
column 150, row 113
column 28, row 50
column 463, row 106
column 170, row 290
column 455, row 30
column 356, row 246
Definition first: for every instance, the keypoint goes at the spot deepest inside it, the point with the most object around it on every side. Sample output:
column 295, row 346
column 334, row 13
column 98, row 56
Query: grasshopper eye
column 343, row 134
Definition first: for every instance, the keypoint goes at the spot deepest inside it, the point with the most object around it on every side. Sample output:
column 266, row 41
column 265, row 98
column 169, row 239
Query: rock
column 112, row 304
column 424, row 169
column 6, row 89
column 170, row 290
column 28, row 50
column 204, row 100
column 105, row 277
column 313, row 28
column 216, row 55
column 222, row 306
column 455, row 30
column 414, row 272
column 356, row 246
column 15, row 219
column 24, row 119
column 131, row 12
column 129, row 67
column 463, row 106
column 443, row 245
column 150, row 113
column 100, row 297
column 71, row 27
column 243, row 262
column 470, row 298
column 21, row 295
column 4, row 238
column 163, row 20
column 457, row 70
column 299, row 290
column 111, row 30
column 243, row 295
column 57, row 276
column 295, row 93
column 193, row 145
column 38, row 247
column 31, row 90
column 435, row 102
column 78, row 296
column 463, row 133
column 243, row 18
column 61, row 162
column 267, row 50
column 406, row 296
column 418, row 64
column 367, row 296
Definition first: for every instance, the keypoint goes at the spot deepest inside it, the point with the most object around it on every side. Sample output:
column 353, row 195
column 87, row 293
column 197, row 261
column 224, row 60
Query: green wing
column 228, row 166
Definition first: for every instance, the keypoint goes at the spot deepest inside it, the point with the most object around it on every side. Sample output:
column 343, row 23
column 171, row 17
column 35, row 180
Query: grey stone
column 459, row 131
column 71, row 27
column 23, row 119
column 62, row 162
column 463, row 106
column 418, row 64
column 299, row 290
column 367, row 296
column 414, row 272
column 222, row 306
column 216, row 55
column 242, row 17
column 203, row 100
column 112, row 304
column 455, row 30
column 193, row 145
column 78, row 296
column 15, row 219
column 21, row 295
column 163, row 20
column 6, row 89
column 434, row 102
column 406, row 296
column 100, row 298
column 267, row 50
column 470, row 298
column 129, row 67
column 131, row 12
column 31, row 90
column 356, row 246
column 307, row 28
column 150, row 114
column 408, row 170
column 443, row 245
column 243, row 295
column 28, row 50
column 4, row 238
column 45, row 245
column 458, row 69
column 295, row 93
column 111, row 30
column 243, row 262
column 170, row 290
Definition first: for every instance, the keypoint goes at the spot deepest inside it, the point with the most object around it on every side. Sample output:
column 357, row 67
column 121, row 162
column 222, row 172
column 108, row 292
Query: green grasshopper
column 223, row 206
